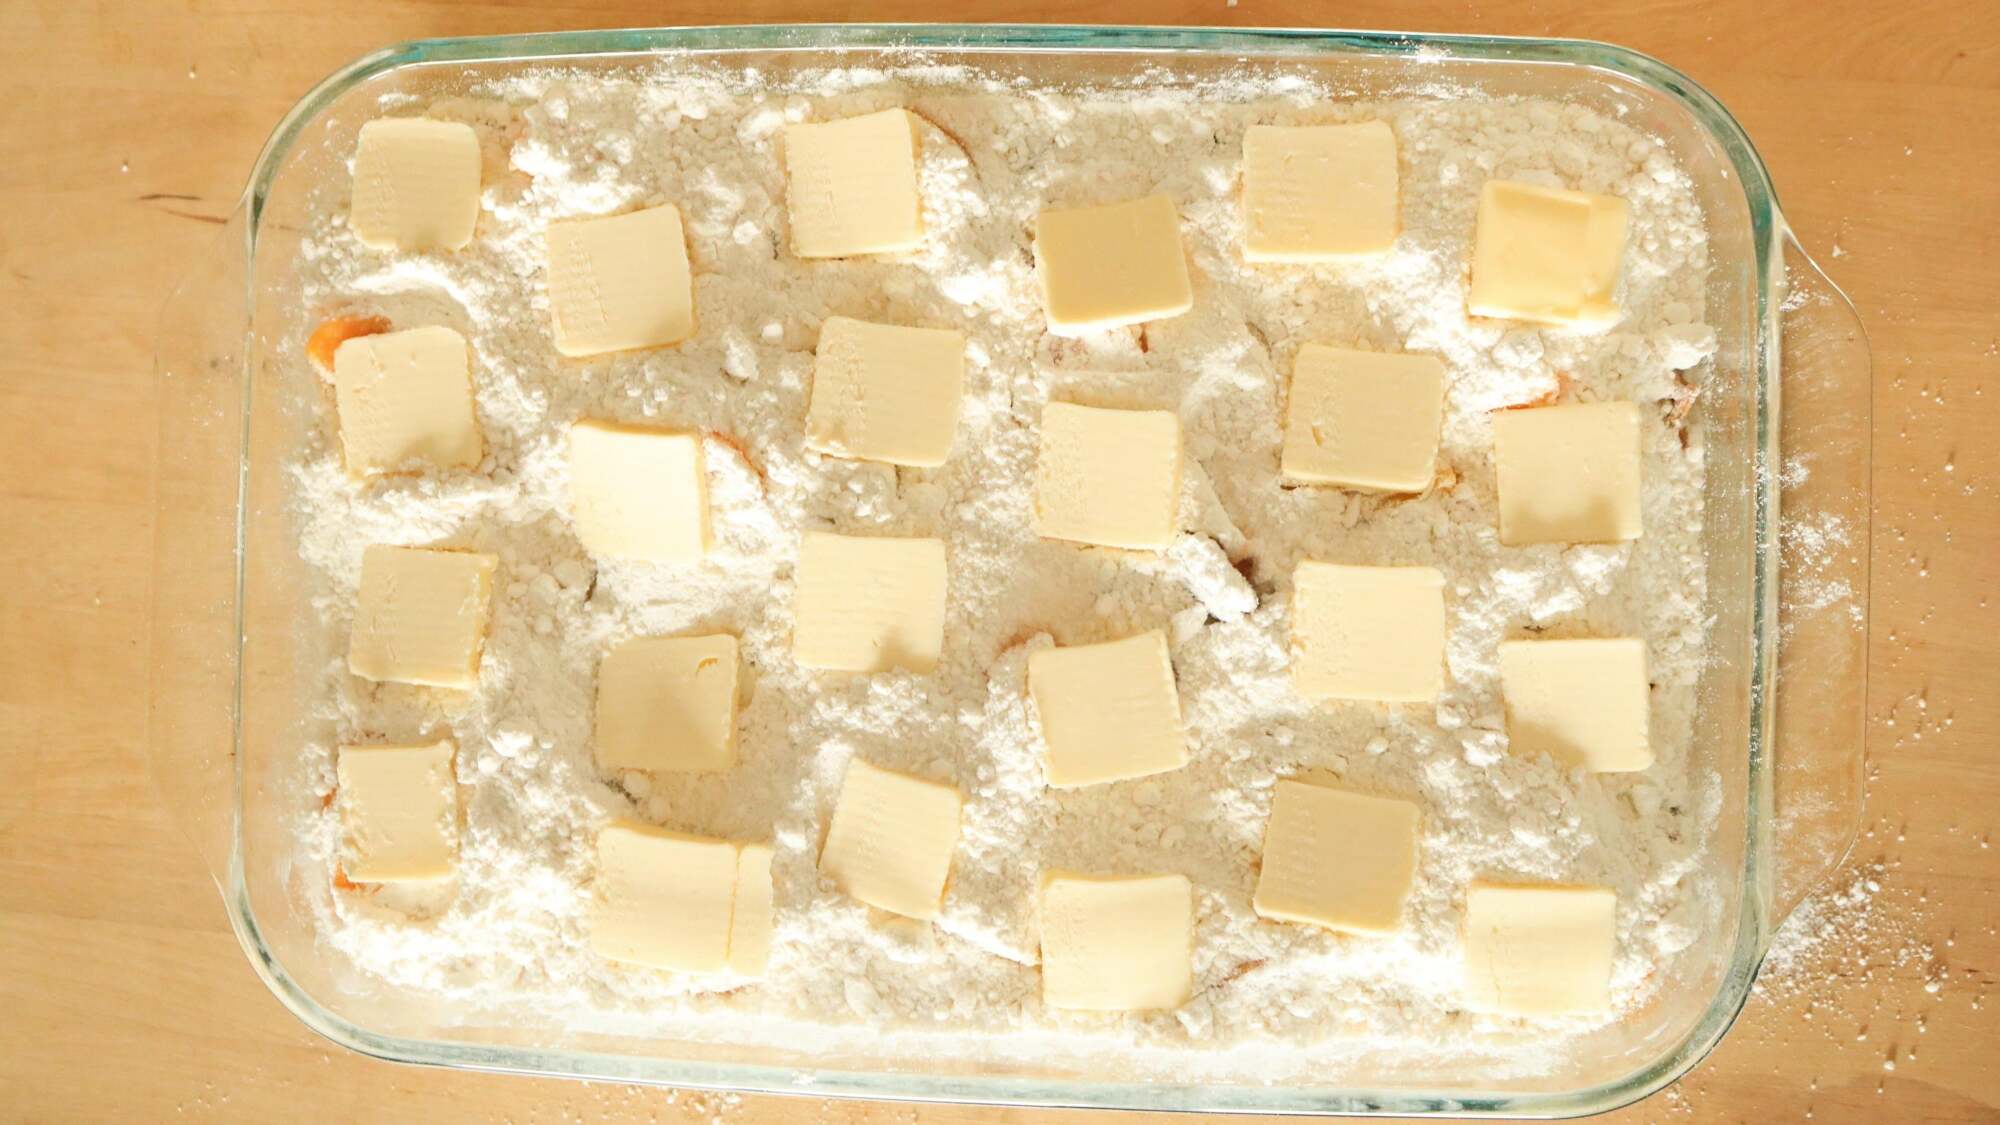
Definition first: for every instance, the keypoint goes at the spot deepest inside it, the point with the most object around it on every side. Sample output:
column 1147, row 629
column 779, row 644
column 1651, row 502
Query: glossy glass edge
column 1768, row 230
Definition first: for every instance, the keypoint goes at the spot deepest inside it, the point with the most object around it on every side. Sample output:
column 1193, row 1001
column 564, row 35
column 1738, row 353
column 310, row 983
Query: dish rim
column 1754, row 921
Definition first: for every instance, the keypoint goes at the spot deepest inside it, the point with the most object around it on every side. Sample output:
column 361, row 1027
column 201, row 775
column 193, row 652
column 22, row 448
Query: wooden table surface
column 126, row 132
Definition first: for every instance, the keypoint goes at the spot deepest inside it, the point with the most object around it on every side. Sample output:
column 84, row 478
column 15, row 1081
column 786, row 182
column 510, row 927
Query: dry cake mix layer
column 1291, row 809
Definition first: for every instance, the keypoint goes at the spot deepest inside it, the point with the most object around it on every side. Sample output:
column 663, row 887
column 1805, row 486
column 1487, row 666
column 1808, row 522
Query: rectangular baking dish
column 1790, row 380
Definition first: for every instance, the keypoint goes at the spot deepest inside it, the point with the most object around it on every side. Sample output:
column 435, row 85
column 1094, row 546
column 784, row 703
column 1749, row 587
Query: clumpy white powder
column 507, row 940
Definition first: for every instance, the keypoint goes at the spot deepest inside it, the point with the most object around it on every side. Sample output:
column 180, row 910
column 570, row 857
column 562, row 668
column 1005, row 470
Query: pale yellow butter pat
column 398, row 812
column 1108, row 477
column 406, row 397
column 662, row 899
column 756, row 913
column 868, row 604
column 420, row 617
column 1107, row 711
column 1539, row 950
column 668, row 703
column 1116, row 944
column 1120, row 263
column 1314, row 193
column 885, row 393
column 1365, row 420
column 851, row 186
column 1547, row 255
column 637, row 492
column 620, row 282
column 1367, row 632
column 416, row 184
column 1337, row 859
column 1568, row 474
column 891, row 840
column 1584, row 703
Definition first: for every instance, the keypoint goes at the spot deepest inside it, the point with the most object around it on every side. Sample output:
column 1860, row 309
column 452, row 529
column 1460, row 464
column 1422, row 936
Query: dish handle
column 199, row 376
column 1823, row 504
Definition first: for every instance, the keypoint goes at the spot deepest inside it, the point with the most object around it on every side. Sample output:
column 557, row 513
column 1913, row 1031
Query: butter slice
column 420, row 617
column 755, row 916
column 1584, row 703
column 1108, row 477
column 668, row 703
column 662, row 899
column 1116, row 944
column 1108, row 711
column 1337, row 859
column 405, row 397
column 1314, row 193
column 637, row 492
column 869, row 604
column 885, row 393
column 620, row 282
column 851, row 186
column 1547, row 255
column 1568, row 474
column 1365, row 420
column 416, row 184
column 891, row 840
column 1539, row 950
column 398, row 812
column 1367, row 632
column 1120, row 263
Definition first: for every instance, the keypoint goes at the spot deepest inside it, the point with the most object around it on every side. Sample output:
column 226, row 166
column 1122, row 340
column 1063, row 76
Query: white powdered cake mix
column 507, row 941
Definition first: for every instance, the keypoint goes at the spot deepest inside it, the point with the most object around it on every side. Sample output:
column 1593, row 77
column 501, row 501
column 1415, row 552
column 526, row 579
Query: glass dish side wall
column 280, row 641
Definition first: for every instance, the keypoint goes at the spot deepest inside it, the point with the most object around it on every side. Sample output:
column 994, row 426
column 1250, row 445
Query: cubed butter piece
column 1568, row 474
column 756, row 913
column 885, row 393
column 1120, row 263
column 638, row 493
column 1547, row 255
column 416, row 184
column 1365, row 420
column 1337, row 859
column 868, row 604
column 851, row 185
column 420, row 617
column 1367, row 632
column 398, row 812
column 1584, row 703
column 1313, row 193
column 668, row 703
column 1115, row 943
column 1108, row 477
column 1108, row 711
column 1539, row 950
column 404, row 398
column 662, row 899
column 620, row 282
column 891, row 840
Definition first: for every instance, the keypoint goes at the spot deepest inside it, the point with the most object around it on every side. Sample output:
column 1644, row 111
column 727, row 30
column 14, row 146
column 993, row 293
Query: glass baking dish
column 1788, row 386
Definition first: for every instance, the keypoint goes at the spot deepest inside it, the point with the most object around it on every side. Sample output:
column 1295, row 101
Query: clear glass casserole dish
column 1788, row 386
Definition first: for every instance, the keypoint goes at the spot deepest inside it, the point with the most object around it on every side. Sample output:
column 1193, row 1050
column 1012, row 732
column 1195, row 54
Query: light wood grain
column 125, row 132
